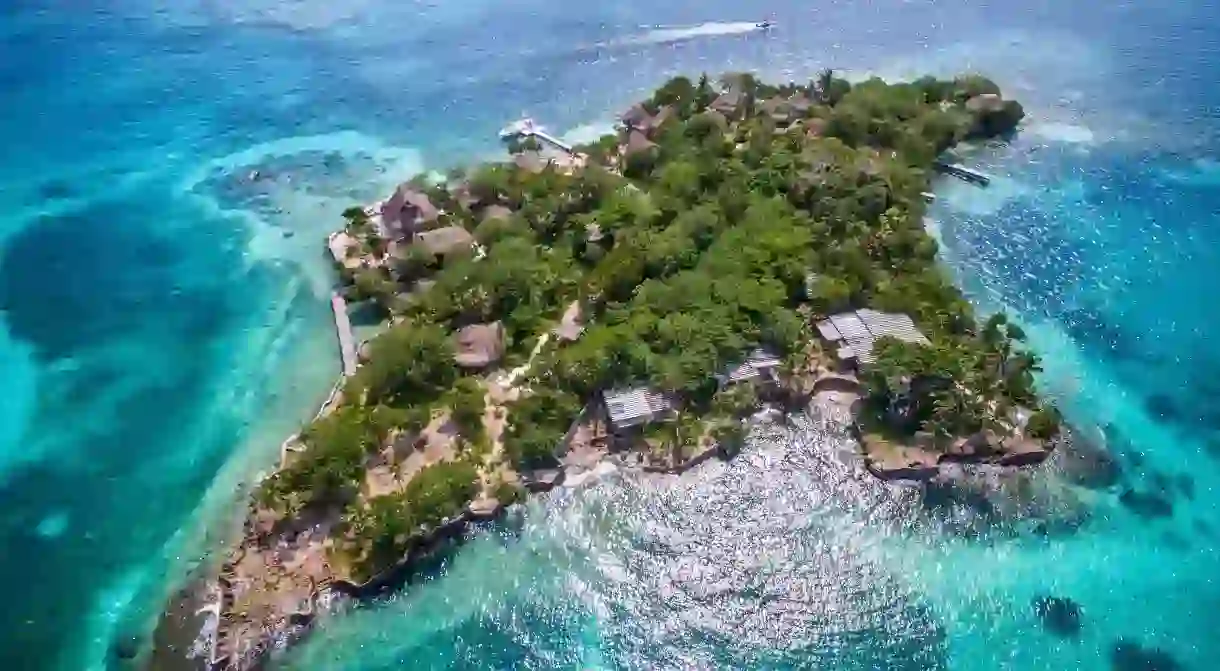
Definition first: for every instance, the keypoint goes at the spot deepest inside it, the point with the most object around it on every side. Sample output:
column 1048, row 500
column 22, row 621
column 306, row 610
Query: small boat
column 764, row 25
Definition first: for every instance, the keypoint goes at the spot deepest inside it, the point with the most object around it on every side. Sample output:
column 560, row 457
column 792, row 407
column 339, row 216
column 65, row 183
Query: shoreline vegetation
column 734, row 243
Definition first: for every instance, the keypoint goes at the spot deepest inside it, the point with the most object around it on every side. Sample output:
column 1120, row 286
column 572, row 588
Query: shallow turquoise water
column 164, row 325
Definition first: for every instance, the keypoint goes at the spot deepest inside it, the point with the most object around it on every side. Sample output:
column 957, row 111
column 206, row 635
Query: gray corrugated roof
column 858, row 330
column 741, row 372
column 628, row 406
column 850, row 325
column 756, row 362
column 829, row 331
column 891, row 324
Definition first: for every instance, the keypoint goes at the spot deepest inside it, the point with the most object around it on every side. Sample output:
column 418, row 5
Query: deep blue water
column 163, row 325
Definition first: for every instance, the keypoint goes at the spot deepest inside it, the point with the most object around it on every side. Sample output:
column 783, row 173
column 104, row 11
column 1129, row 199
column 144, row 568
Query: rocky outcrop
column 243, row 648
column 542, row 480
column 897, row 462
column 1127, row 656
column 1060, row 616
column 921, row 461
column 994, row 116
column 1087, row 463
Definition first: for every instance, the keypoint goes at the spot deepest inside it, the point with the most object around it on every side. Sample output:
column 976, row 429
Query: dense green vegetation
column 538, row 421
column 382, row 530
column 958, row 385
column 722, row 231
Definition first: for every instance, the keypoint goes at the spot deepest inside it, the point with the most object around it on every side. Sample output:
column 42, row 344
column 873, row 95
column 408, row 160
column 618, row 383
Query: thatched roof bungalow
column 637, row 143
column 731, row 104
column 495, row 213
column 445, row 240
column 407, row 211
column 479, row 345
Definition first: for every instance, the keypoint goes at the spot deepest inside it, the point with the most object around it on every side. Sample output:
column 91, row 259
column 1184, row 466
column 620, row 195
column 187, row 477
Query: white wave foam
column 969, row 199
column 1065, row 133
column 588, row 132
column 1205, row 172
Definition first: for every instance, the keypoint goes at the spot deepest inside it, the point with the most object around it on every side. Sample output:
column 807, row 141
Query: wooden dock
column 962, row 172
column 343, row 328
column 525, row 128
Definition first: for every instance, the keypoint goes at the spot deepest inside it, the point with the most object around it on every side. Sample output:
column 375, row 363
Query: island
column 733, row 244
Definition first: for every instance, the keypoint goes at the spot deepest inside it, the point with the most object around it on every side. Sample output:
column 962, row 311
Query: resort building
column 479, row 345
column 495, row 213
column 638, row 118
column 853, row 333
column 759, row 367
column 630, row 408
column 444, row 241
column 406, row 212
column 785, row 111
column 637, row 143
column 731, row 104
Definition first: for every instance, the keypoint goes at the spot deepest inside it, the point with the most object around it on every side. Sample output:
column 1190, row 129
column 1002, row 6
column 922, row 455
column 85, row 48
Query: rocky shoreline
column 184, row 622
column 183, row 626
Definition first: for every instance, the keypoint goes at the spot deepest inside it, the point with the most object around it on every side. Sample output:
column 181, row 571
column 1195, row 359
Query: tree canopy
column 751, row 210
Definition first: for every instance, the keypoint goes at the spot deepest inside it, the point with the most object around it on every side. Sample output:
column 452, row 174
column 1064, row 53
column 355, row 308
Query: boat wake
column 671, row 34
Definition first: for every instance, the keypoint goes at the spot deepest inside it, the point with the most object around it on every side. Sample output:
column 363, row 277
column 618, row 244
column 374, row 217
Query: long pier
column 343, row 328
column 962, row 172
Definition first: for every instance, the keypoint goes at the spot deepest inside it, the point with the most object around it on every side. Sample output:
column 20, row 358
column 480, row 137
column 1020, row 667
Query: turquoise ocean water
column 163, row 325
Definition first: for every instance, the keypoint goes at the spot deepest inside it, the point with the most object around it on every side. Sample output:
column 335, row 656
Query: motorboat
column 764, row 25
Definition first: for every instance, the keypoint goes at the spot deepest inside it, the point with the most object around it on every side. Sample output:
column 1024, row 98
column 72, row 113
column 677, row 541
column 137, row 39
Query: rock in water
column 1059, row 615
column 1146, row 504
column 126, row 648
column 1131, row 657
column 1088, row 464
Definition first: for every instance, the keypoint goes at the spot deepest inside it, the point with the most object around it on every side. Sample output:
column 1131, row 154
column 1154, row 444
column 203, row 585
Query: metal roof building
column 855, row 332
column 759, row 362
column 638, row 406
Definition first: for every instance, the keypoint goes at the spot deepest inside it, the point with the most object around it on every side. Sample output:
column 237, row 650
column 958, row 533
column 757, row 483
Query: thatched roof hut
column 784, row 111
column 731, row 103
column 637, row 142
column 445, row 240
column 479, row 345
column 407, row 211
column 492, row 212
column 636, row 117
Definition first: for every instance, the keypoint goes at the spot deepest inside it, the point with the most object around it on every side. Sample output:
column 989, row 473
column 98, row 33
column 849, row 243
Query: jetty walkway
column 525, row 128
column 962, row 172
column 343, row 328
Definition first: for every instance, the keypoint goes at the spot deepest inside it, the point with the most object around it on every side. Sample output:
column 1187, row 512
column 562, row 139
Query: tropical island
column 734, row 243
